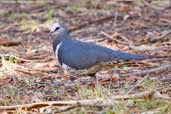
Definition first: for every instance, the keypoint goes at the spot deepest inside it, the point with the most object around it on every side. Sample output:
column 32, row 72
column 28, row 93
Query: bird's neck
column 58, row 39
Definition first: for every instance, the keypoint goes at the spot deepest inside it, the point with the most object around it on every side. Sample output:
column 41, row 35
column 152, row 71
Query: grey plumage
column 82, row 55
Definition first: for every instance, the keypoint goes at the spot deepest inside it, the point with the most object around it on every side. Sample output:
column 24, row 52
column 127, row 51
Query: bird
column 78, row 58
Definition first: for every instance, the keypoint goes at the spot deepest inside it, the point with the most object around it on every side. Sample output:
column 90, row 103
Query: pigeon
column 79, row 58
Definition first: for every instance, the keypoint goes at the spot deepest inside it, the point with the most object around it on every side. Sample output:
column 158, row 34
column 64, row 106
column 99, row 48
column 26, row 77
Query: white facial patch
column 57, row 50
column 54, row 26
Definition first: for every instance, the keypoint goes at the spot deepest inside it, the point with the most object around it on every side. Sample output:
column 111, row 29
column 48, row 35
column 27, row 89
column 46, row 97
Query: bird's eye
column 57, row 28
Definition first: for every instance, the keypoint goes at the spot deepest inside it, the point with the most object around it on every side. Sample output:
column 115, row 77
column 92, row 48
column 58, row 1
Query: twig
column 6, row 42
column 164, row 67
column 155, row 7
column 6, row 28
column 64, row 109
column 74, row 28
column 165, row 34
column 151, row 112
column 141, row 95
column 8, row 66
column 49, row 109
column 143, row 48
column 9, row 56
column 111, row 38
column 135, row 86
column 158, row 95
column 134, row 96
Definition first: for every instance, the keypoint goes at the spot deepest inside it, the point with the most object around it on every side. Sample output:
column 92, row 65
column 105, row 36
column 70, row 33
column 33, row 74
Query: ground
column 30, row 72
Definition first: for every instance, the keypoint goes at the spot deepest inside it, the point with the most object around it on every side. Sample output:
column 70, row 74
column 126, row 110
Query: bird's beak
column 52, row 35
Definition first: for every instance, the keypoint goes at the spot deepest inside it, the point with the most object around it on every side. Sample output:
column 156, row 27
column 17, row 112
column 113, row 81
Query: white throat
column 57, row 50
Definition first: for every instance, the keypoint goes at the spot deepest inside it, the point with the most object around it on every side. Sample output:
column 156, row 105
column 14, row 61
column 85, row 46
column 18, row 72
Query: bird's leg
column 69, row 76
column 72, row 77
column 66, row 75
column 94, row 78
column 111, row 78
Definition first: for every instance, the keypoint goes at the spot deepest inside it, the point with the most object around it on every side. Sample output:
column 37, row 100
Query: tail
column 143, row 57
column 127, row 56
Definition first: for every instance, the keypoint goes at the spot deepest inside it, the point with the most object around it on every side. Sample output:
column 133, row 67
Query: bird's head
column 58, row 29
column 58, row 33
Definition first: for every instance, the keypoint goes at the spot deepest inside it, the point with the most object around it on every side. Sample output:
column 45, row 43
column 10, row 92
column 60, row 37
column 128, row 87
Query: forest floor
column 29, row 72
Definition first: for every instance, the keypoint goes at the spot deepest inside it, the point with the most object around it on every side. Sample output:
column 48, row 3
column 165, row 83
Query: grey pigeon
column 82, row 58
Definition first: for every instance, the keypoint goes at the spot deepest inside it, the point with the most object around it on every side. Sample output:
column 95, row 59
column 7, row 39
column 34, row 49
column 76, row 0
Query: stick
column 6, row 42
column 138, row 84
column 112, row 38
column 91, row 103
column 135, row 96
column 74, row 28
column 87, row 103
column 64, row 109
column 164, row 35
column 7, row 56
column 165, row 67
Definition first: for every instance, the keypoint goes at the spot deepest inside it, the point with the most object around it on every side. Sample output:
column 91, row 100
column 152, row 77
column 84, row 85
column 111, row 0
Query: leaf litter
column 29, row 72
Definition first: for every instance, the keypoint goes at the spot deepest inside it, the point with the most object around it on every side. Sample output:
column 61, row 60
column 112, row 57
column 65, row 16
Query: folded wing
column 81, row 55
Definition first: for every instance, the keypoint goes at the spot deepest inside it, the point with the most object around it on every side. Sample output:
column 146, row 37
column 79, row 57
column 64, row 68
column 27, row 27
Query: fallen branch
column 88, row 103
